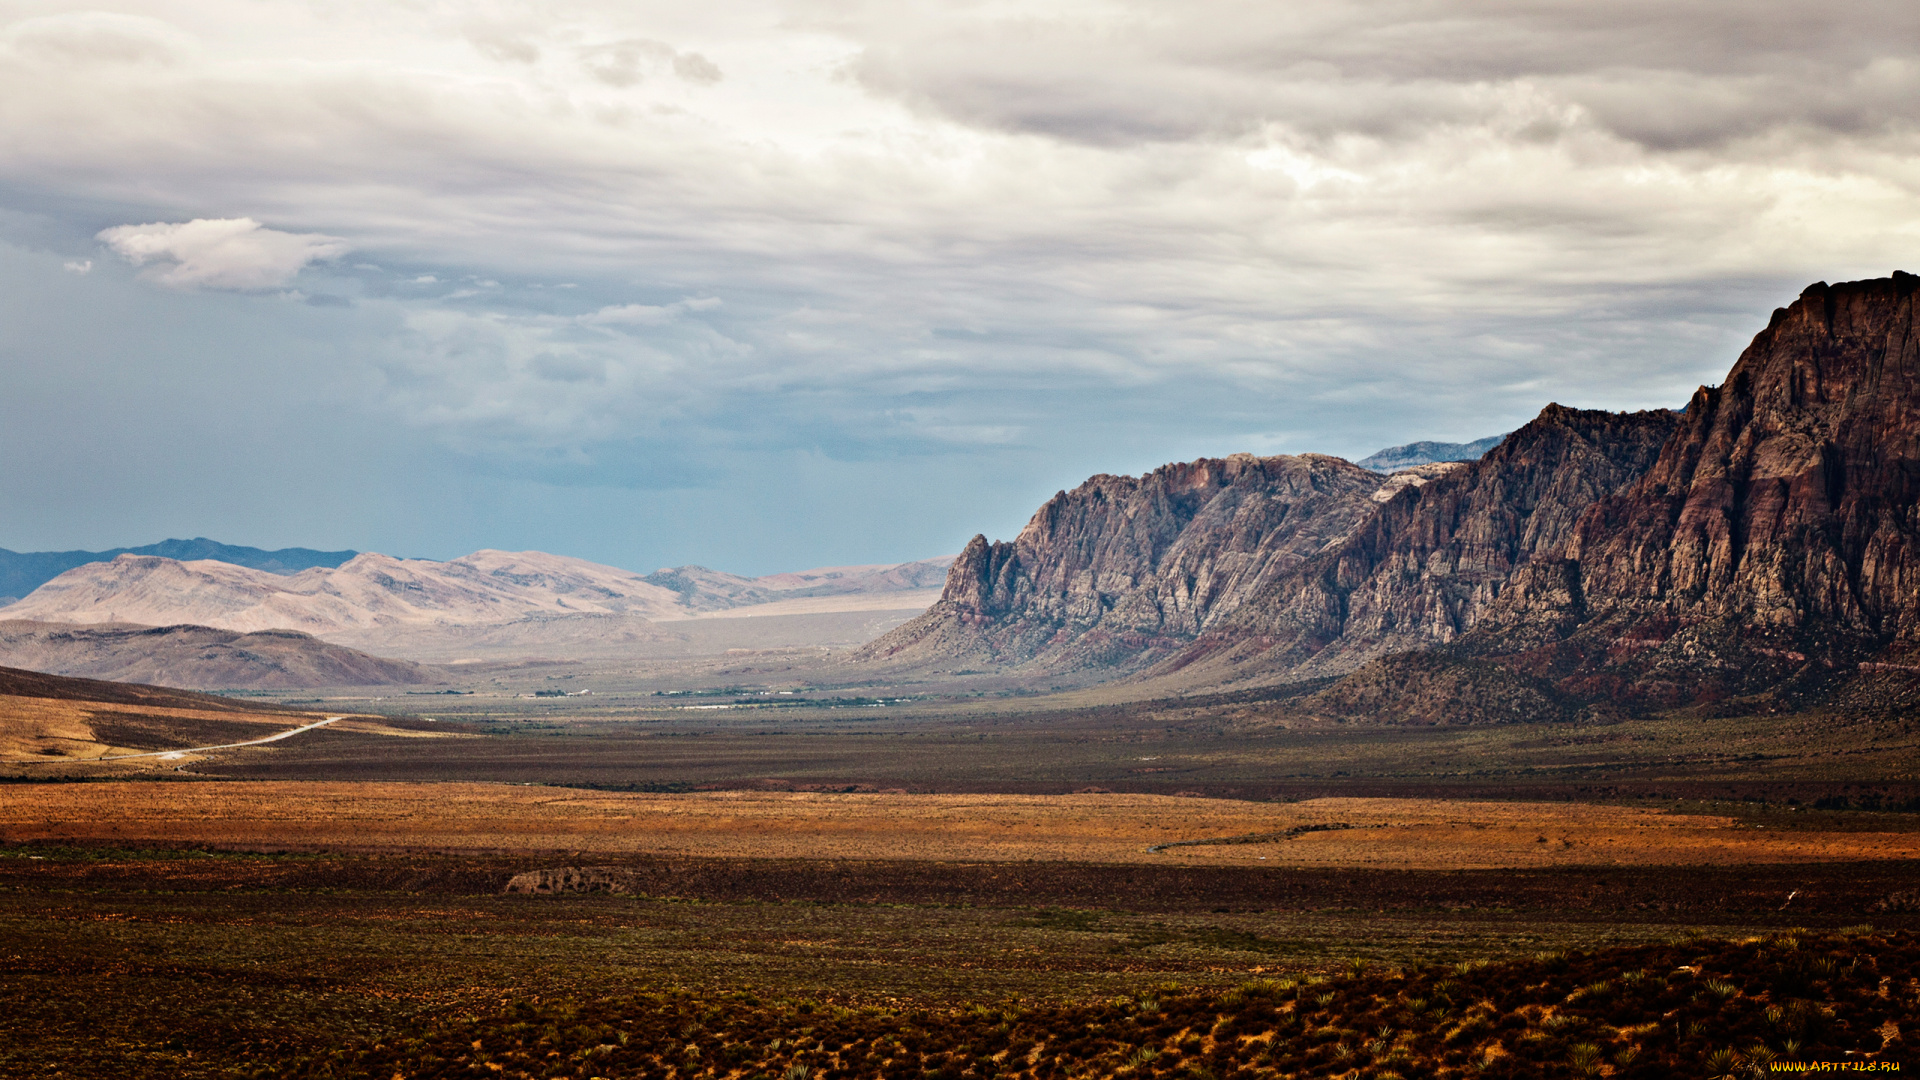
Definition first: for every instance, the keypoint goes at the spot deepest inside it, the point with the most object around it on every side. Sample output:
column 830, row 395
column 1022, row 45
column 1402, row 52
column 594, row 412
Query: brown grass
column 1096, row 828
column 49, row 736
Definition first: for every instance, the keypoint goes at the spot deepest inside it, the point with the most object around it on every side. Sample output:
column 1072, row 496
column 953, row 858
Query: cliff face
column 1122, row 570
column 1433, row 560
column 1776, row 537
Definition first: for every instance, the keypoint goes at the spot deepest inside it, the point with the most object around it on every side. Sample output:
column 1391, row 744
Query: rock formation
column 1427, row 566
column 1776, row 540
column 1122, row 570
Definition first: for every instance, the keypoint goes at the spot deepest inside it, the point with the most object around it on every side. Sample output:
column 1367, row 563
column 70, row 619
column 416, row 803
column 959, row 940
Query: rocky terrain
column 198, row 657
column 1427, row 566
column 1760, row 548
column 1123, row 570
column 1773, row 548
column 1395, row 458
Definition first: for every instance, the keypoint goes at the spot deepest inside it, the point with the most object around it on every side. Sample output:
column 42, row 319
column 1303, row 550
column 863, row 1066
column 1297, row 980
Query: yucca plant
column 797, row 1071
column 1585, row 1059
column 1722, row 1064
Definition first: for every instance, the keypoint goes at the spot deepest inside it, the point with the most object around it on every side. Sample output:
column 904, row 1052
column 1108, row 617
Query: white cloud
column 220, row 253
column 87, row 38
column 77, row 266
column 649, row 314
column 1348, row 210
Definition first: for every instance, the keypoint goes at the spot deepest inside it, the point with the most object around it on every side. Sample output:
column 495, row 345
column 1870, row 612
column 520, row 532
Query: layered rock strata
column 1123, row 570
column 1775, row 541
column 1434, row 559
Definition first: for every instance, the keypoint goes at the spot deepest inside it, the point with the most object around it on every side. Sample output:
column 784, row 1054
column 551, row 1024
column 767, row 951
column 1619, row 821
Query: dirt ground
column 1413, row 834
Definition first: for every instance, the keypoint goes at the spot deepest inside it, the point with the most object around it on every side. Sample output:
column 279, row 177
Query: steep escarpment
column 1435, row 558
column 1776, row 541
column 1123, row 570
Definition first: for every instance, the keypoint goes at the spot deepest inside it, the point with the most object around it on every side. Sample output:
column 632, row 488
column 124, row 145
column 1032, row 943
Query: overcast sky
column 767, row 285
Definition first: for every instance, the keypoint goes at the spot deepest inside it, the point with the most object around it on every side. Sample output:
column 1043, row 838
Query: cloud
column 1060, row 236
column 88, row 38
column 649, row 314
column 77, row 266
column 625, row 63
column 220, row 253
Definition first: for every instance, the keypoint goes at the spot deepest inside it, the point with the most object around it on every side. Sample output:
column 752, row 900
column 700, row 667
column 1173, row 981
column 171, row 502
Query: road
column 222, row 746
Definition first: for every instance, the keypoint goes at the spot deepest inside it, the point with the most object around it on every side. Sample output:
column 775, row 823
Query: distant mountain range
column 1756, row 551
column 495, row 601
column 21, row 572
column 1395, row 458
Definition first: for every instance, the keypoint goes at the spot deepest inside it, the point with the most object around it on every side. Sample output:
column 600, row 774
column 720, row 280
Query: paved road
column 222, row 746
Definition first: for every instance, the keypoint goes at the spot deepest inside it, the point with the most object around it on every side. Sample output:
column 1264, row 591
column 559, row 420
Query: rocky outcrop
column 1435, row 558
column 1123, row 570
column 573, row 879
column 1776, row 540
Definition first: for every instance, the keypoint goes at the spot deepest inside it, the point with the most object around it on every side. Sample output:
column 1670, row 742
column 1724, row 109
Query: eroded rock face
column 1123, row 569
column 1777, row 536
column 1430, row 563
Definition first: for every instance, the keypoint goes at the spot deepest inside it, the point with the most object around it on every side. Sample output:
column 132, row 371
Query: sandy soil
column 1386, row 833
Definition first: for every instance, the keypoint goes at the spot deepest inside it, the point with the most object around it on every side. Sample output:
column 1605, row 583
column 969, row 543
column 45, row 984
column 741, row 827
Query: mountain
column 1774, row 547
column 23, row 572
column 704, row 590
column 1122, row 570
column 1759, row 549
column 198, row 657
column 1395, row 458
column 527, row 603
column 1427, row 566
column 368, row 592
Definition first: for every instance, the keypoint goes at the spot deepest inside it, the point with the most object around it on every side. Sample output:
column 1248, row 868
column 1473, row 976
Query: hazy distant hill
column 523, row 602
column 21, row 572
column 198, row 657
column 702, row 589
column 1427, row 453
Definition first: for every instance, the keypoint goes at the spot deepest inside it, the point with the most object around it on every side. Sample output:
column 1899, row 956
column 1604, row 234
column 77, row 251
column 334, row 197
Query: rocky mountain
column 1428, row 565
column 1759, row 549
column 1122, row 570
column 1774, row 547
column 21, row 572
column 198, row 657
column 1395, row 458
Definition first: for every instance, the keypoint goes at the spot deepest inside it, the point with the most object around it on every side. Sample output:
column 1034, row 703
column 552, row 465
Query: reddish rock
column 1777, row 538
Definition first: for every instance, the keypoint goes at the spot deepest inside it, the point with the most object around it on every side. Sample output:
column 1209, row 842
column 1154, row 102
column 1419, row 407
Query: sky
column 766, row 285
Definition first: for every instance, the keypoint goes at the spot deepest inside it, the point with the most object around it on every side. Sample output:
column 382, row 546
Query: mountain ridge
column 21, row 572
column 1395, row 458
column 1758, row 549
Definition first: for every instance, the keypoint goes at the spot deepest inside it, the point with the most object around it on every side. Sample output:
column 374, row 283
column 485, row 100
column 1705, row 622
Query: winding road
column 222, row 746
